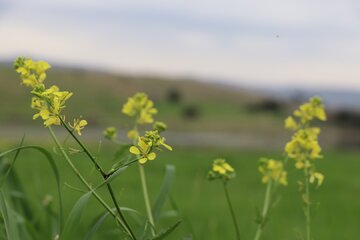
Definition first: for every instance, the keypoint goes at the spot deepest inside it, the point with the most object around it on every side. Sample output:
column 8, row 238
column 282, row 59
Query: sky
column 277, row 43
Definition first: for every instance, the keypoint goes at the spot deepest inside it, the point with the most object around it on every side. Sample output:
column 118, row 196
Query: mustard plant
column 273, row 175
column 142, row 110
column 49, row 104
column 223, row 171
column 305, row 150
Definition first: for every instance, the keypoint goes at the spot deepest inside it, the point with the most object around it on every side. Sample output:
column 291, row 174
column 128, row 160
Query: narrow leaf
column 12, row 231
column 71, row 224
column 164, row 191
column 166, row 232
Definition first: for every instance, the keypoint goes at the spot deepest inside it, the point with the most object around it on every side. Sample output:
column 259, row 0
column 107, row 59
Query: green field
column 199, row 203
column 336, row 206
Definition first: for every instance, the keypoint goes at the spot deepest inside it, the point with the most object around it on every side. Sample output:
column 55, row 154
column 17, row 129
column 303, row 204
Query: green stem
column 307, row 204
column 92, row 158
column 146, row 198
column 103, row 174
column 264, row 211
column 82, row 179
column 232, row 212
column 144, row 187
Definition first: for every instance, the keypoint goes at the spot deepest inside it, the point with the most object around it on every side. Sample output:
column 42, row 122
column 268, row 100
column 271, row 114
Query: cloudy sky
column 297, row 43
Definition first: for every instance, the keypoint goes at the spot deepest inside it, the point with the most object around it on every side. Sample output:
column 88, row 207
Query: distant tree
column 266, row 105
column 191, row 112
column 347, row 118
column 174, row 95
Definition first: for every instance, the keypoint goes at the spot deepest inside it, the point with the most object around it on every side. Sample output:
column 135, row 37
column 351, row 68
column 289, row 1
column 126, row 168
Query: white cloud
column 298, row 43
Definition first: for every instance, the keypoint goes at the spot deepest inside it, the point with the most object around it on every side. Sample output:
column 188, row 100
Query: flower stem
column 264, row 211
column 82, row 179
column 103, row 174
column 146, row 198
column 307, row 204
column 232, row 212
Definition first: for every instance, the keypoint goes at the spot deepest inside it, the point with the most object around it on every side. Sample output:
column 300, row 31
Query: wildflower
column 147, row 144
column 304, row 146
column 133, row 134
column 290, row 123
column 144, row 150
column 159, row 126
column 78, row 125
column 316, row 176
column 110, row 133
column 156, row 140
column 48, row 101
column 141, row 107
column 221, row 169
column 32, row 73
column 273, row 170
column 313, row 109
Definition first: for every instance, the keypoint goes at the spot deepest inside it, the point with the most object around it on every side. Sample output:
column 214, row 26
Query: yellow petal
column 143, row 160
column 143, row 145
column 83, row 123
column 152, row 156
column 134, row 150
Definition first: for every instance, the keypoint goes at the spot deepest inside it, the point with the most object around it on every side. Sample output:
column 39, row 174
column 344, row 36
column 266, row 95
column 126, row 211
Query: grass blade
column 74, row 218
column 100, row 220
column 166, row 232
column 53, row 166
column 164, row 191
column 11, row 225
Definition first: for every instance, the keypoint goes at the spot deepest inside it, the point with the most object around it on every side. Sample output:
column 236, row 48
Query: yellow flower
column 316, row 176
column 133, row 134
column 32, row 73
column 140, row 106
column 304, row 146
column 290, row 123
column 78, row 125
column 49, row 102
column 221, row 169
column 147, row 144
column 156, row 140
column 273, row 170
column 144, row 150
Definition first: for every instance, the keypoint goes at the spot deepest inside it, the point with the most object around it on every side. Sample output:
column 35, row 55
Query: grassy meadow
column 200, row 203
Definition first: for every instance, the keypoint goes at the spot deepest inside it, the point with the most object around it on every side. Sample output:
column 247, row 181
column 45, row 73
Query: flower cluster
column 221, row 170
column 272, row 170
column 78, row 125
column 49, row 102
column 147, row 144
column 141, row 107
column 304, row 146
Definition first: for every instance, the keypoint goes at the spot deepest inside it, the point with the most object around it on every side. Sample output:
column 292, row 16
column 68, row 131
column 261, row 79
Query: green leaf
column 164, row 191
column 111, row 178
column 53, row 166
column 71, row 224
column 12, row 230
column 96, row 225
column 100, row 220
column 166, row 232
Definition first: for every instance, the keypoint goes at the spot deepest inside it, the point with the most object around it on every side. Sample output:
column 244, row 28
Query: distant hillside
column 184, row 104
column 98, row 96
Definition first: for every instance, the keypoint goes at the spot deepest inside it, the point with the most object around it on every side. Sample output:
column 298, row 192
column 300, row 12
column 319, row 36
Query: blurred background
column 223, row 75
